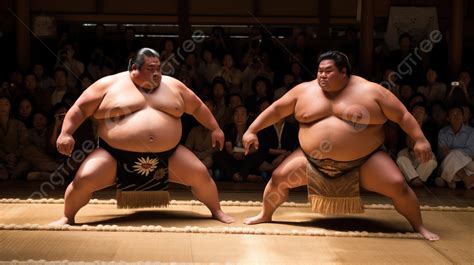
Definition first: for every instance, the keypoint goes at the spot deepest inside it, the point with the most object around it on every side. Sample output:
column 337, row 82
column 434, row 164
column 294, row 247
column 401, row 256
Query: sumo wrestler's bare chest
column 311, row 109
column 123, row 103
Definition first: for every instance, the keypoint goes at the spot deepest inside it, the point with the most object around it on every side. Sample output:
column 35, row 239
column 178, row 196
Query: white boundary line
column 207, row 230
column 236, row 203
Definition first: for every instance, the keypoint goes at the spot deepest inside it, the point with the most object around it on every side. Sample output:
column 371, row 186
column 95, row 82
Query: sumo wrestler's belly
column 339, row 140
column 147, row 130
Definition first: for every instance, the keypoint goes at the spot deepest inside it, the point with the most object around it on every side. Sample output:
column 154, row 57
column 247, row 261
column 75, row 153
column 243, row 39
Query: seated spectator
column 16, row 88
column 297, row 72
column 456, row 151
column 208, row 67
column 13, row 137
column 277, row 142
column 199, row 141
column 233, row 100
column 438, row 115
column 168, row 47
column 416, row 98
column 432, row 89
column 36, row 155
column 253, row 69
column 464, row 79
column 24, row 111
column 188, row 73
column 232, row 160
column 262, row 88
column 416, row 173
column 44, row 81
column 41, row 96
column 61, row 87
column 399, row 56
column 219, row 89
column 457, row 94
column 231, row 75
column 258, row 66
column 100, row 65
column 288, row 83
column 68, row 61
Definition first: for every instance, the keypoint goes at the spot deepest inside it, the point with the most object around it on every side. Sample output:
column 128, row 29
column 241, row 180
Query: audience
column 236, row 84
column 416, row 173
column 13, row 138
column 456, row 151
column 232, row 161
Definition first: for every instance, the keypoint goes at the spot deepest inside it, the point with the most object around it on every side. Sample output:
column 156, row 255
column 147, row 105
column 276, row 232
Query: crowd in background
column 237, row 83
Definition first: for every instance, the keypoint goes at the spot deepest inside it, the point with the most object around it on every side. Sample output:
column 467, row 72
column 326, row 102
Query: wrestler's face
column 330, row 79
column 149, row 74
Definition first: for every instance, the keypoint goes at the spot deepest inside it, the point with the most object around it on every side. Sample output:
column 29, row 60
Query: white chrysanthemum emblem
column 145, row 165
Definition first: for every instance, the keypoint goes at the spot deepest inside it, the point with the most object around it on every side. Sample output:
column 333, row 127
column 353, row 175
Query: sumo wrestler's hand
column 250, row 140
column 217, row 139
column 422, row 150
column 65, row 144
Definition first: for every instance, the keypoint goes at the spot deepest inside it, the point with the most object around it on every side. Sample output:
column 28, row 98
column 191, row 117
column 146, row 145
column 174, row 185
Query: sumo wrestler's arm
column 278, row 110
column 195, row 107
column 83, row 108
column 395, row 111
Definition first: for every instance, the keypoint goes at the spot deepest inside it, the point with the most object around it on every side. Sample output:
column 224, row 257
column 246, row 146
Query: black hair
column 419, row 104
column 238, row 107
column 139, row 58
column 456, row 106
column 265, row 80
column 61, row 69
column 340, row 59
column 418, row 94
column 219, row 80
column 234, row 94
column 44, row 113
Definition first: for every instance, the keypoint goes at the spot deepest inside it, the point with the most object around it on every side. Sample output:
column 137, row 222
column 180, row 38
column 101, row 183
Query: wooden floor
column 47, row 246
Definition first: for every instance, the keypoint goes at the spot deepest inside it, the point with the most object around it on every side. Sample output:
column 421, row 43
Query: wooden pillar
column 183, row 20
column 324, row 23
column 22, row 33
column 256, row 8
column 99, row 6
column 366, row 38
column 456, row 20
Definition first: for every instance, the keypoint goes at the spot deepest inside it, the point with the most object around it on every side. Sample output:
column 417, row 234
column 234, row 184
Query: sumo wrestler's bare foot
column 62, row 221
column 223, row 217
column 260, row 218
column 427, row 234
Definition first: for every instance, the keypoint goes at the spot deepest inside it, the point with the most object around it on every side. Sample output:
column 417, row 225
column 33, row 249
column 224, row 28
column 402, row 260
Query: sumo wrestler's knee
column 398, row 187
column 198, row 176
